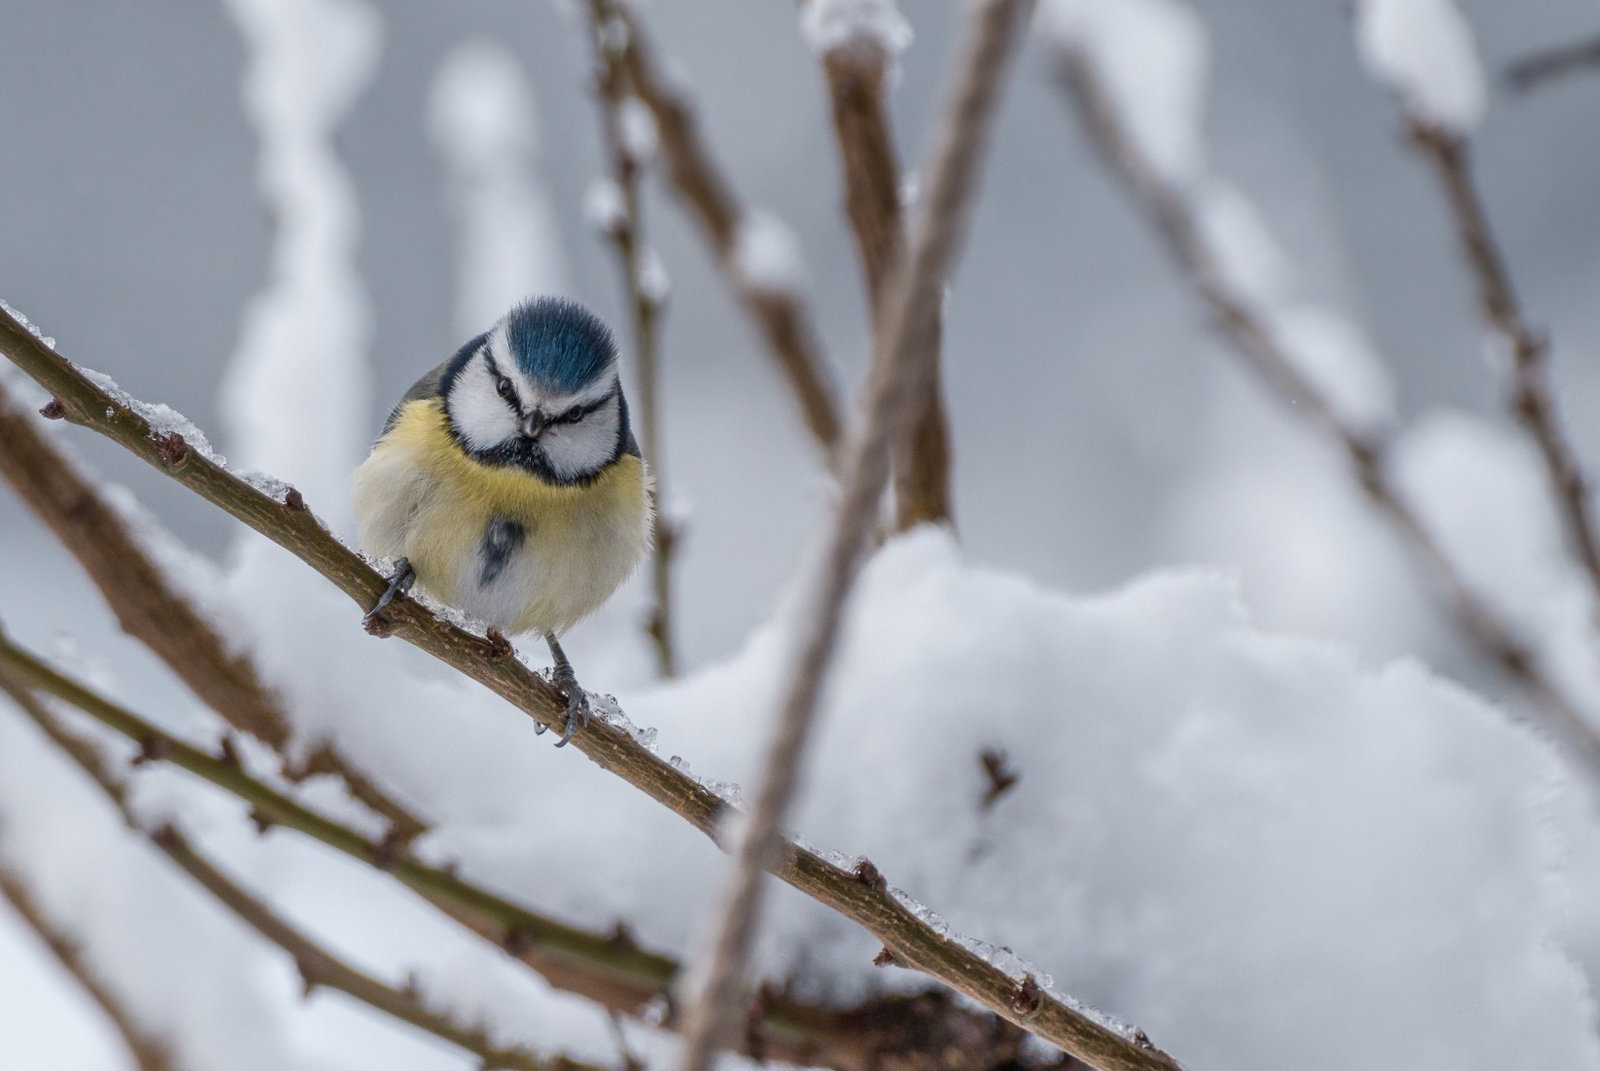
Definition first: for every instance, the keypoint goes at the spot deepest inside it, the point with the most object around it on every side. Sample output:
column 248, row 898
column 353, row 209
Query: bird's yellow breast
column 420, row 496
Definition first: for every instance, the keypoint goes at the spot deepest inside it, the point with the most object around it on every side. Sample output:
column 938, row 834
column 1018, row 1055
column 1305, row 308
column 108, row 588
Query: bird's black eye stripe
column 577, row 413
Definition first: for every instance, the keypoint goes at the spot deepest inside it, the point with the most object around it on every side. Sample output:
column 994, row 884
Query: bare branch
column 613, row 749
column 1535, row 69
column 1531, row 399
column 626, row 233
column 153, row 611
column 781, row 313
column 1241, row 323
column 148, row 1052
column 900, row 374
column 858, row 79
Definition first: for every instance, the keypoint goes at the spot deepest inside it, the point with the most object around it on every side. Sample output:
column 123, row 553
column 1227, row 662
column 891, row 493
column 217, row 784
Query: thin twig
column 149, row 1053
column 781, row 313
column 858, row 74
column 619, row 1033
column 152, row 610
column 1531, row 398
column 899, row 375
column 914, row 942
column 1242, row 324
column 317, row 965
column 626, row 233
column 1549, row 64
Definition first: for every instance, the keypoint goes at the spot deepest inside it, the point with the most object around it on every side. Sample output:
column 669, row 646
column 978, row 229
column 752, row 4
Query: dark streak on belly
column 501, row 538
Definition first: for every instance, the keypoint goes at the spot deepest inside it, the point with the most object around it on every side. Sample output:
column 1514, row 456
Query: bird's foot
column 496, row 648
column 578, row 706
column 399, row 584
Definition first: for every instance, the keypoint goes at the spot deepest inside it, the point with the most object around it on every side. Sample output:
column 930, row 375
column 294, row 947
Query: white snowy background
column 1270, row 809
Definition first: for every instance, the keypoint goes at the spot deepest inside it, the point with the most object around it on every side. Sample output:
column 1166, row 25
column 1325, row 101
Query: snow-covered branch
column 756, row 252
column 1171, row 199
column 1531, row 397
column 859, row 894
column 617, row 210
column 857, row 43
column 1424, row 50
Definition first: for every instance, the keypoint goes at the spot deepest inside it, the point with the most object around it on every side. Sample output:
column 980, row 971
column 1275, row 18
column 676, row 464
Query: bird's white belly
column 559, row 575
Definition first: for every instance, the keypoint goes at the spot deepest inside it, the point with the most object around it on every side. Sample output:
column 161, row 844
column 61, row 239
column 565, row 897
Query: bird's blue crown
column 559, row 343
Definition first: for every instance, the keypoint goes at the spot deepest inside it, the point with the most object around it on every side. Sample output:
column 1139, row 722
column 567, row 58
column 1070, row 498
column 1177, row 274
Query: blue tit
column 508, row 484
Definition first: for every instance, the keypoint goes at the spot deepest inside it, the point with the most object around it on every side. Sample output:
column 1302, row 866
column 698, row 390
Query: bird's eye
column 502, row 386
column 571, row 416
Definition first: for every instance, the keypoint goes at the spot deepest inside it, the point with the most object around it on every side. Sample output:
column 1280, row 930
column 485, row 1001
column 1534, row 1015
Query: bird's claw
column 578, row 706
column 399, row 584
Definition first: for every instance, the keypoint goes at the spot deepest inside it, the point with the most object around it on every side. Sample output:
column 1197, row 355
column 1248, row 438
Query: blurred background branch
column 616, row 202
column 1548, row 65
column 1170, row 208
column 147, row 1052
column 857, row 59
column 1531, row 397
column 754, row 251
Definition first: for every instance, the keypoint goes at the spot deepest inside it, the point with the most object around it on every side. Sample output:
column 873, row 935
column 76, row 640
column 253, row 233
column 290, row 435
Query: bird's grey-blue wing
column 432, row 383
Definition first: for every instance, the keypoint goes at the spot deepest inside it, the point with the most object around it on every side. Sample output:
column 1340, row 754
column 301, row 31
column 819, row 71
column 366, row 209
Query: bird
column 508, row 484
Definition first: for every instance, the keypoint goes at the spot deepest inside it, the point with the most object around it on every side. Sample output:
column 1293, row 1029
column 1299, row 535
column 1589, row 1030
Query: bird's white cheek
column 582, row 448
column 482, row 420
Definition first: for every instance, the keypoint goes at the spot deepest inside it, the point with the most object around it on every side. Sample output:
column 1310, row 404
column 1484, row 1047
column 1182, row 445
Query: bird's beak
column 534, row 423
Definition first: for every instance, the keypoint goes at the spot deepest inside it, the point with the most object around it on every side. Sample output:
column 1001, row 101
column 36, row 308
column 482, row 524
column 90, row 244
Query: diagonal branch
column 900, row 375
column 317, row 965
column 148, row 1052
column 151, row 609
column 645, row 298
column 1252, row 337
column 780, row 311
column 1532, row 400
column 291, row 525
column 858, row 70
